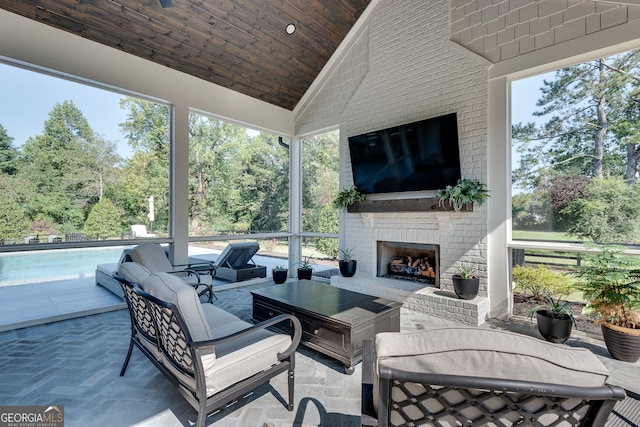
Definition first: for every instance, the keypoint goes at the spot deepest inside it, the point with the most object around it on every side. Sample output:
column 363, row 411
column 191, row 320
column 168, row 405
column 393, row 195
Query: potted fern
column 346, row 264
column 348, row 196
column 611, row 284
column 465, row 192
column 465, row 281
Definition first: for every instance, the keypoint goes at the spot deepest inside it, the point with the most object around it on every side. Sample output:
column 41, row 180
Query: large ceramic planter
column 347, row 268
column 279, row 276
column 466, row 288
column 556, row 330
column 623, row 343
column 305, row 273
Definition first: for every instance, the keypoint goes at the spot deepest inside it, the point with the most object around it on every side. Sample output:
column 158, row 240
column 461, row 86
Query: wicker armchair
column 481, row 377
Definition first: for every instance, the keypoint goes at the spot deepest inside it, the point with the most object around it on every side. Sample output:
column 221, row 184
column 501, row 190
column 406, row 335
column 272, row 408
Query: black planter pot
column 556, row 330
column 279, row 276
column 305, row 273
column 347, row 268
column 466, row 288
column 624, row 346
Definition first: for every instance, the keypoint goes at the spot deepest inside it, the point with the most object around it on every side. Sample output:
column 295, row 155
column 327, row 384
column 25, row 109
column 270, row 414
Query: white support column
column 295, row 201
column 499, row 183
column 179, row 183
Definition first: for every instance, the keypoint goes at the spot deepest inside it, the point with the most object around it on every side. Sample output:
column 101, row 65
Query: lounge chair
column 153, row 257
column 476, row 376
column 139, row 231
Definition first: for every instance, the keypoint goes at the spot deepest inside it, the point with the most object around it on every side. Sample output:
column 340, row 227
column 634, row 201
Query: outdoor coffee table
column 334, row 321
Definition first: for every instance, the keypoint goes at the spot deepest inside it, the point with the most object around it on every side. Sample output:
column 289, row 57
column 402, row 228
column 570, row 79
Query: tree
column 586, row 106
column 103, row 221
column 211, row 146
column 147, row 172
column 258, row 197
column 320, row 176
column 8, row 153
column 607, row 213
column 53, row 165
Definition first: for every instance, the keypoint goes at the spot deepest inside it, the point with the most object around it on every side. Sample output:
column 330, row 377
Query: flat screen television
column 416, row 156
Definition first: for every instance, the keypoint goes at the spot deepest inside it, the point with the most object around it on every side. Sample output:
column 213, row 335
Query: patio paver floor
column 75, row 363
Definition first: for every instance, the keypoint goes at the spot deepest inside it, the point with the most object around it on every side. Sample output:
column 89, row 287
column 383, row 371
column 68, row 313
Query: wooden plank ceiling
column 238, row 44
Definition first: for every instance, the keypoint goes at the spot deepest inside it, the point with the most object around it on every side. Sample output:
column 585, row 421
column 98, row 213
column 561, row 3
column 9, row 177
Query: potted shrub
column 555, row 319
column 279, row 274
column 305, row 269
column 611, row 284
column 465, row 192
column 346, row 264
column 465, row 281
column 348, row 196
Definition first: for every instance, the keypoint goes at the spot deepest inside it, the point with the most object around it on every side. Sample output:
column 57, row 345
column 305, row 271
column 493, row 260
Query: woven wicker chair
column 481, row 377
column 209, row 355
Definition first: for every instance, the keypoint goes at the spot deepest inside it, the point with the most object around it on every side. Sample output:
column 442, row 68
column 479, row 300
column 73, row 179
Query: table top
column 329, row 301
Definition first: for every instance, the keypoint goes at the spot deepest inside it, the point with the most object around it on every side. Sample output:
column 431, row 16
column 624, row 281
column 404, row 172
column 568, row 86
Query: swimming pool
column 19, row 268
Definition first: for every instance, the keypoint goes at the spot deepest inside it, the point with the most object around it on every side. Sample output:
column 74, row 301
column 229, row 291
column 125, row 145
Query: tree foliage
column 103, row 221
column 585, row 146
column 608, row 212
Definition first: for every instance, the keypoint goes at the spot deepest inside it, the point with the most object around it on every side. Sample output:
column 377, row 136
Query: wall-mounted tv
column 417, row 156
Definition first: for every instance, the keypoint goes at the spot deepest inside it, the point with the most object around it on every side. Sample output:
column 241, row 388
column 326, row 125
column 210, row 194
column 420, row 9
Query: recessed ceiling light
column 291, row 28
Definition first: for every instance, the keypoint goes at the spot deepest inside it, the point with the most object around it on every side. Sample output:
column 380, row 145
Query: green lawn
column 543, row 235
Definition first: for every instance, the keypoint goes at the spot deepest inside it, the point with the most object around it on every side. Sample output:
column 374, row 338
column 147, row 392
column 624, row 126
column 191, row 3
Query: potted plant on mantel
column 611, row 284
column 465, row 192
column 279, row 274
column 346, row 264
column 349, row 196
column 305, row 268
column 555, row 319
column 465, row 281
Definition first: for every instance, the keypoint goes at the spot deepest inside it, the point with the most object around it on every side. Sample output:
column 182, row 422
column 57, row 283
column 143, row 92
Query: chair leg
column 291, row 388
column 126, row 360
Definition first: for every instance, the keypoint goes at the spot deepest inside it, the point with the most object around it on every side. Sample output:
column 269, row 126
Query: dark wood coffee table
column 334, row 320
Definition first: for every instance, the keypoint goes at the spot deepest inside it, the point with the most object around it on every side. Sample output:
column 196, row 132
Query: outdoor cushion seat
column 459, row 376
column 153, row 257
column 210, row 355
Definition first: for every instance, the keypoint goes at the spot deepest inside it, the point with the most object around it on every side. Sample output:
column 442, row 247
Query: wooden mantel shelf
column 424, row 204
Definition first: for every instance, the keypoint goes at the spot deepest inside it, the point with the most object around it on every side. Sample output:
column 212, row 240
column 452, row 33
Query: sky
column 27, row 97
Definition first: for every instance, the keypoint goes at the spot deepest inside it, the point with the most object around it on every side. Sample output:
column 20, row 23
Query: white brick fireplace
column 459, row 236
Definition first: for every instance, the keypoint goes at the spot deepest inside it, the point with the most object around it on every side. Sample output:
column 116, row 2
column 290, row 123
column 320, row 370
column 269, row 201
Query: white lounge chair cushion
column 478, row 352
column 133, row 272
column 153, row 257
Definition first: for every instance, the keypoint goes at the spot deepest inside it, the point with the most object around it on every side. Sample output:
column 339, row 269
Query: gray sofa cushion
column 173, row 290
column 133, row 272
column 478, row 352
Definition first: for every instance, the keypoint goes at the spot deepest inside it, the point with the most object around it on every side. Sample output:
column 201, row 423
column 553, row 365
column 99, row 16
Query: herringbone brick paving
column 76, row 363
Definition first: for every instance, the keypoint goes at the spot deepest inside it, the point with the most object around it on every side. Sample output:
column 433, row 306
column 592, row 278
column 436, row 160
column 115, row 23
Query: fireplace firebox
column 409, row 261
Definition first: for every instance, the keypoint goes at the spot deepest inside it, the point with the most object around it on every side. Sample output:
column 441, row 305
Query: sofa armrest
column 295, row 340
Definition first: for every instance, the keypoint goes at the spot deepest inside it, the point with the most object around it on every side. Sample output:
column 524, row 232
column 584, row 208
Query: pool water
column 60, row 264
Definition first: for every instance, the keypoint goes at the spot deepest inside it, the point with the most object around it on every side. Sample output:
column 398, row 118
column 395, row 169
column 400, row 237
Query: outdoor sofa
column 211, row 356
column 481, row 377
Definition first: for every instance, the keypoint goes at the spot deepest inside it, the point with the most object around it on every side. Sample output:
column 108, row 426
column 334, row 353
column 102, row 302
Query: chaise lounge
column 210, row 356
